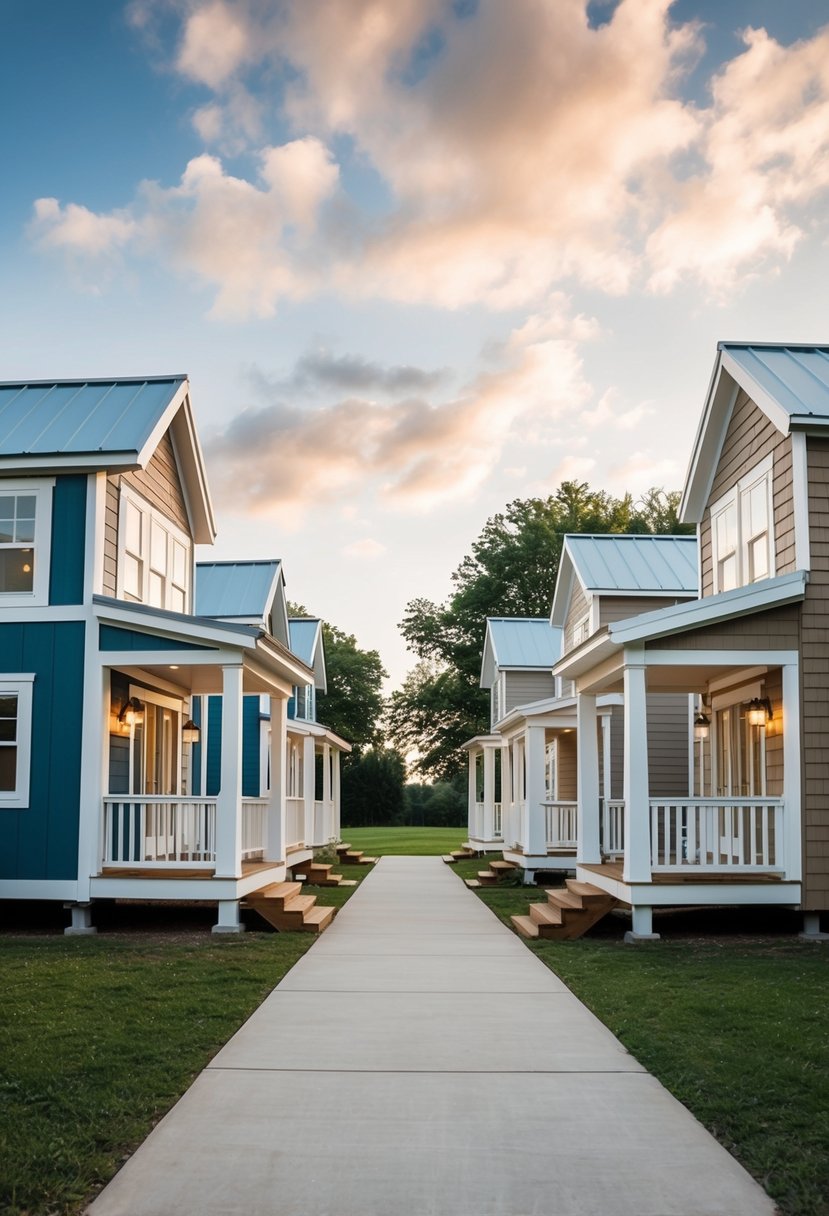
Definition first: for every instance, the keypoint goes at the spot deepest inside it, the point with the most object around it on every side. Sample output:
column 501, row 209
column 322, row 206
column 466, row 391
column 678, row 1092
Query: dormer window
column 153, row 558
column 25, row 523
column 742, row 533
column 581, row 631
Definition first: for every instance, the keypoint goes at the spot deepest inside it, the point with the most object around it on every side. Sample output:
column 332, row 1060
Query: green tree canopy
column 372, row 789
column 511, row 571
column 353, row 705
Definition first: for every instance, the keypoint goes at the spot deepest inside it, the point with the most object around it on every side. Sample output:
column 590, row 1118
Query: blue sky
column 418, row 257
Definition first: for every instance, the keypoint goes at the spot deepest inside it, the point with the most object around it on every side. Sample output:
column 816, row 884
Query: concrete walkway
column 420, row 1061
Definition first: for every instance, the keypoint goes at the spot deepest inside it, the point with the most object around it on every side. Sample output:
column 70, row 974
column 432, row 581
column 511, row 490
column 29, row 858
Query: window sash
column 742, row 532
column 16, row 689
column 154, row 564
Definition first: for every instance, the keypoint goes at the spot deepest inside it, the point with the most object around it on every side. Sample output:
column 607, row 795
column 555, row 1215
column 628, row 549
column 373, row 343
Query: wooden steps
column 457, row 855
column 319, row 875
column 282, row 906
column 497, row 870
column 354, row 857
column 568, row 913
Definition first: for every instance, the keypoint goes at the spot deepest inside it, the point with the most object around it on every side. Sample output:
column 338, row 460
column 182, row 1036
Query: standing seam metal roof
column 71, row 417
column 635, row 563
column 524, row 641
column 235, row 589
column 796, row 377
column 303, row 634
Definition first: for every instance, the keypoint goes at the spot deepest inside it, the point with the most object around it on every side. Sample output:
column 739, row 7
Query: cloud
column 79, row 230
column 217, row 40
column 366, row 549
column 413, row 453
column 322, row 371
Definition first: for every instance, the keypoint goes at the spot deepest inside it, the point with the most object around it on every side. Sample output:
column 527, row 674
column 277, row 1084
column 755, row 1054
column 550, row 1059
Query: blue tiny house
column 134, row 759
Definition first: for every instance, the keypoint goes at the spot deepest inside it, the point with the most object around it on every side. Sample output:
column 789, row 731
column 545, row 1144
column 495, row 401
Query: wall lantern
column 190, row 733
column 702, row 726
column 132, row 713
column 759, row 711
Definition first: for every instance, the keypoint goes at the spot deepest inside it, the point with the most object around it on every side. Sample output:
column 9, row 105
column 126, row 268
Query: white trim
column 733, row 500
column 793, row 846
column 19, row 686
column 707, row 446
column 42, row 612
column 717, row 658
column 594, row 612
column 94, row 759
column 736, row 677
column 154, row 518
column 93, row 575
column 800, row 501
column 773, row 410
column 42, row 490
column 737, row 696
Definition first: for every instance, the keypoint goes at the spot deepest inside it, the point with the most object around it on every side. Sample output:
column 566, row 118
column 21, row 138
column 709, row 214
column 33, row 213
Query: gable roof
column 789, row 383
column 48, row 426
column 306, row 642
column 622, row 564
column 241, row 591
column 518, row 644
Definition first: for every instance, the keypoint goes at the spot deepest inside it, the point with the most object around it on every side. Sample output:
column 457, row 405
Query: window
column 154, row 556
column 25, row 527
column 742, row 537
column 15, row 739
column 581, row 631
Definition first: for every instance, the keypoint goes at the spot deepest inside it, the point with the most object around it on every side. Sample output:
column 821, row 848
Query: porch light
column 702, row 726
column 759, row 711
column 132, row 713
column 190, row 733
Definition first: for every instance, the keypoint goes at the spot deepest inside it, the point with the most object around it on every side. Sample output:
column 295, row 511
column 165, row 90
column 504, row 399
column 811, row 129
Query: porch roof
column 610, row 642
column 195, row 648
column 295, row 727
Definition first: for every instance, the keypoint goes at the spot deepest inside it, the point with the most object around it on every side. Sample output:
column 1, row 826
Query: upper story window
column 25, row 535
column 15, row 739
column 742, row 531
column 581, row 631
column 304, row 702
column 153, row 556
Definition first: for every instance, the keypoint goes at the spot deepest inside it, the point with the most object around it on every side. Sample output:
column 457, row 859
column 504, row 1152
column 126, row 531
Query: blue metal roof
column 630, row 564
column 523, row 641
column 70, row 417
column 235, row 589
column 795, row 377
column 303, row 633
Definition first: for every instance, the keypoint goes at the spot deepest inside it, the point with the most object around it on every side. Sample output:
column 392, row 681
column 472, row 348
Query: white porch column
column 277, row 807
column 326, row 793
column 309, row 773
column 535, row 842
column 94, row 765
column 507, row 820
column 792, row 794
column 588, row 847
column 335, row 796
column 637, row 863
column 489, row 793
column 472, row 793
column 607, row 761
column 229, row 798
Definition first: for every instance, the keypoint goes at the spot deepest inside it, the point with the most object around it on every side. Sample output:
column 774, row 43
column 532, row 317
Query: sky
column 418, row 257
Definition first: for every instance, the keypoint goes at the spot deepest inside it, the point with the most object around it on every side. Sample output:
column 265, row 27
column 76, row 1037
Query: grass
column 410, row 842
column 99, row 1036
column 733, row 1023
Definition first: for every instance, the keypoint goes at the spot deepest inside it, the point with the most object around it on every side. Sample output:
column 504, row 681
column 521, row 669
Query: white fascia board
column 329, row 736
column 772, row 408
column 61, row 462
column 191, row 467
column 809, row 422
column 549, row 705
column 318, row 664
column 562, row 591
column 194, row 630
column 637, row 592
column 594, row 650
column 785, row 589
column 283, row 660
column 481, row 741
column 710, row 436
column 163, row 423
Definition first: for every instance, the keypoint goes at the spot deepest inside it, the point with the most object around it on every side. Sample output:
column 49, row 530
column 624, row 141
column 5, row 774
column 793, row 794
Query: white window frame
column 734, row 501
column 20, row 685
column 581, row 631
column 41, row 490
column 152, row 517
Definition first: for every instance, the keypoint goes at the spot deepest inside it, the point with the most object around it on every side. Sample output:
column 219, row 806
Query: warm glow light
column 190, row 732
column 759, row 711
column 702, row 726
column 132, row 713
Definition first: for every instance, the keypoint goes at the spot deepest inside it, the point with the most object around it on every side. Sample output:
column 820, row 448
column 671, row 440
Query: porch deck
column 614, row 871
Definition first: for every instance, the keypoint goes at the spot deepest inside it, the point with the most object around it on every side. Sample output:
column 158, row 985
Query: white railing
column 717, row 833
column 561, row 824
column 323, row 823
column 497, row 821
column 613, row 827
column 159, row 831
column 294, row 821
column 254, row 827
column 478, row 829
column 510, row 824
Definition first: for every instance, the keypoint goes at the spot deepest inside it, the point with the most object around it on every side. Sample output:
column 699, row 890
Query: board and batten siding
column 751, row 437
column 524, row 687
column 160, row 483
column 40, row 842
column 814, row 687
column 66, row 574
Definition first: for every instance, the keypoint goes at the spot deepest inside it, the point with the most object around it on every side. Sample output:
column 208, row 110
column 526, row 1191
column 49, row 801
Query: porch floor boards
column 613, row 869
column 248, row 868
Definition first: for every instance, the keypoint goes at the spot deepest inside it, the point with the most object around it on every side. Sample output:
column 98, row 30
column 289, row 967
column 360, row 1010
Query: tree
column 372, row 789
column 511, row 571
column 353, row 705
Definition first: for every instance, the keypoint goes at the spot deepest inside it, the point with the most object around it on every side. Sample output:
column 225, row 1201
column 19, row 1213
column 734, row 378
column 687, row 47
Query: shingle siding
column 815, row 684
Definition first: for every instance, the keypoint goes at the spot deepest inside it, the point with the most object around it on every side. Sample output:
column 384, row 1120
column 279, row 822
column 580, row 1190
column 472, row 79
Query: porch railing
column 159, row 830
column 496, row 821
column 294, row 821
column 478, row 829
column 323, row 822
column 613, row 827
column 254, row 828
column 561, row 824
column 717, row 833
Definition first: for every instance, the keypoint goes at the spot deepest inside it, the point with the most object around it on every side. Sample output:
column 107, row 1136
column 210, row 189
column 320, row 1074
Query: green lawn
column 733, row 1023
column 99, row 1036
column 398, row 842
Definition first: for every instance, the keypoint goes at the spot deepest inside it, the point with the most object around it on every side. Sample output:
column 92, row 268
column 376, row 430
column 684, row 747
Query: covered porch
column 730, row 833
column 313, row 784
column 148, row 830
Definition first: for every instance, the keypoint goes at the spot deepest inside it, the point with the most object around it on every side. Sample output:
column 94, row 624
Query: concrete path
column 420, row 1061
